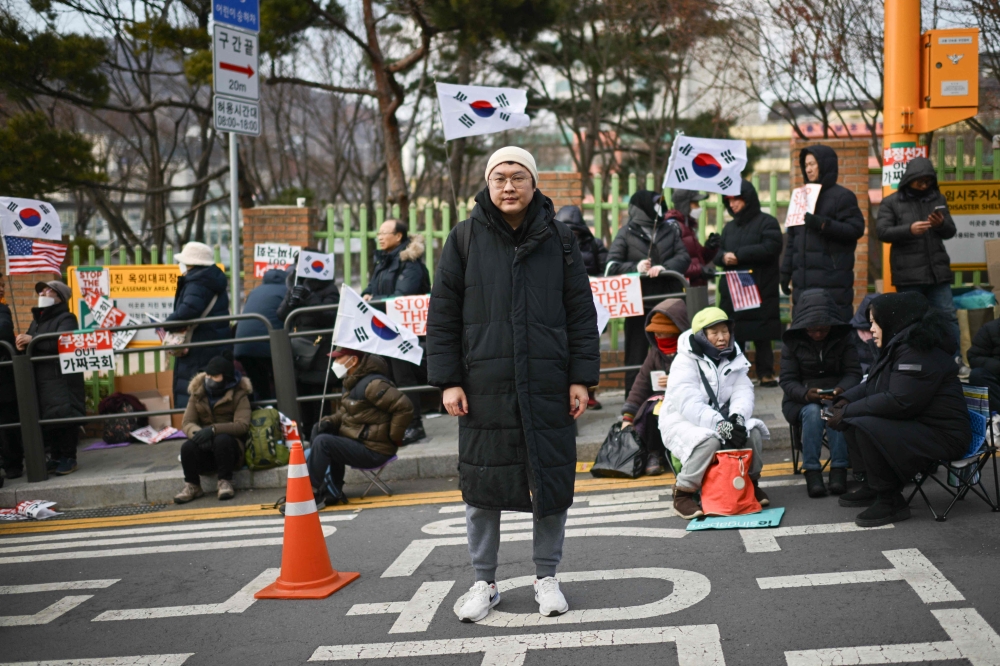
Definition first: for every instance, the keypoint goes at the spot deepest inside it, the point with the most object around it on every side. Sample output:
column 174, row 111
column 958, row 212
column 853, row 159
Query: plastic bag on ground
column 621, row 456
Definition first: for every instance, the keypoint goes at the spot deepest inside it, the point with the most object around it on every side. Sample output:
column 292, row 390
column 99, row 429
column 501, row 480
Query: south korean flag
column 710, row 165
column 475, row 110
column 29, row 218
column 363, row 328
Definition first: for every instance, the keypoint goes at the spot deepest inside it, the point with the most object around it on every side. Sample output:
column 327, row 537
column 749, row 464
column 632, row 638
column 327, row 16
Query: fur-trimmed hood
column 414, row 250
column 933, row 330
column 196, row 388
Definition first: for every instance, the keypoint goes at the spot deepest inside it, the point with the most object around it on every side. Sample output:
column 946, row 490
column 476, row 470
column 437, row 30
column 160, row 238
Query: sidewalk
column 143, row 474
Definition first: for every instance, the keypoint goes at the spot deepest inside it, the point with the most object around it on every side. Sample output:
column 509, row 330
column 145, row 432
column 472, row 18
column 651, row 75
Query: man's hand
column 812, row 395
column 643, row 266
column 455, row 401
column 203, row 435
column 837, row 391
column 936, row 218
column 21, row 341
column 367, row 297
column 729, row 259
column 656, row 270
column 578, row 397
column 920, row 228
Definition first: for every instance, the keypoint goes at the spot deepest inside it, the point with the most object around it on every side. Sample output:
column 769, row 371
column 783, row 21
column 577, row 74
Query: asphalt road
column 640, row 589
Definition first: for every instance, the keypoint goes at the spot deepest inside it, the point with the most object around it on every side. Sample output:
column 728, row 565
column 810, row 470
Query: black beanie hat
column 894, row 312
column 219, row 365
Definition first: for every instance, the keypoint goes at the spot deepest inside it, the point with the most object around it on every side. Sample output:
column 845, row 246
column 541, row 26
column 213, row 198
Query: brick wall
column 612, row 359
column 273, row 224
column 564, row 188
column 21, row 297
column 852, row 157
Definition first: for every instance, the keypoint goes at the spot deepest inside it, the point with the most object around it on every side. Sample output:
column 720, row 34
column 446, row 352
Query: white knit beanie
column 512, row 154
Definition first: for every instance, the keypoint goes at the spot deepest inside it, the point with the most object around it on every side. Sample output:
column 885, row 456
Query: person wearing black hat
column 686, row 204
column 59, row 395
column 910, row 412
column 216, row 422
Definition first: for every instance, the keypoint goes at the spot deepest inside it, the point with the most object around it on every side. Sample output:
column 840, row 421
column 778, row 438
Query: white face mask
column 183, row 267
column 46, row 301
column 339, row 370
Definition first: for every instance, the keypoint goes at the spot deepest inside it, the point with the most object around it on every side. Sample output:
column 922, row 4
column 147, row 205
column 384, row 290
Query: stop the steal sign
column 620, row 294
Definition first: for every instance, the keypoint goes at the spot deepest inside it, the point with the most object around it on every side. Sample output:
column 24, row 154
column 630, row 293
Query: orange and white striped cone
column 306, row 572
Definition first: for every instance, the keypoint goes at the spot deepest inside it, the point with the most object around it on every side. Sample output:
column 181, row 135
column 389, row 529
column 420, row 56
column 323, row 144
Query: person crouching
column 708, row 406
column 216, row 422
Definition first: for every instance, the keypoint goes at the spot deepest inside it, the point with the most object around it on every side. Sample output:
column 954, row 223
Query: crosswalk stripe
column 139, row 660
column 146, row 538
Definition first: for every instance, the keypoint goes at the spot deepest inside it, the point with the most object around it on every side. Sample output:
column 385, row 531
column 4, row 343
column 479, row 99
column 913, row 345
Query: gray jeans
column 693, row 470
column 483, row 526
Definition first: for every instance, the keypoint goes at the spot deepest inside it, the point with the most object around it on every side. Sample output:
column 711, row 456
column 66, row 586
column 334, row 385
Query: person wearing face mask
column 709, row 406
column 11, row 449
column 216, row 422
column 59, row 395
column 685, row 212
column 910, row 412
column 366, row 429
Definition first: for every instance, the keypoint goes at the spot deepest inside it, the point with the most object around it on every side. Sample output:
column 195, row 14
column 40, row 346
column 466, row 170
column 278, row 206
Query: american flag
column 28, row 255
column 742, row 290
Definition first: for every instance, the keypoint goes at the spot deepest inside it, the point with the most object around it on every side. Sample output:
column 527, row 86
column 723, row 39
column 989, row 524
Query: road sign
column 233, row 115
column 240, row 13
column 237, row 63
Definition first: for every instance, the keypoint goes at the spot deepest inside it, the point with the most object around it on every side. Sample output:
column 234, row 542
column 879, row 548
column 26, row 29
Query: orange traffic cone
column 306, row 572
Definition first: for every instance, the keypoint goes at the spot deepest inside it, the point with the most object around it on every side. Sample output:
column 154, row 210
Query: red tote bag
column 726, row 489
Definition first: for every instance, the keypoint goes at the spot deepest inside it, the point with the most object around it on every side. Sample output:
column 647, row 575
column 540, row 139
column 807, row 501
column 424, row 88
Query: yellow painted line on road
column 381, row 502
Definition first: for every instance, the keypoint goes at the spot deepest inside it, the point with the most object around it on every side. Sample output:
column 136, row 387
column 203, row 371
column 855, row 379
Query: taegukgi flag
column 475, row 110
column 315, row 265
column 712, row 165
column 360, row 326
column 29, row 218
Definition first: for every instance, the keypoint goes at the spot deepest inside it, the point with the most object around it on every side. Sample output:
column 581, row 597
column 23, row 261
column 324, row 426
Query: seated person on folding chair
column 984, row 359
column 910, row 413
column 818, row 354
column 709, row 406
column 366, row 429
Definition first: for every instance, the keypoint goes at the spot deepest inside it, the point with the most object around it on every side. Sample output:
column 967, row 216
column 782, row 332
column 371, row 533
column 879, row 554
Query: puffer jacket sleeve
column 444, row 317
column 767, row 249
column 388, row 398
column 889, row 226
column 618, row 263
column 67, row 324
column 908, row 392
column 581, row 323
column 984, row 352
column 240, row 425
column 947, row 229
column 680, row 259
column 741, row 401
column 787, row 264
column 190, row 424
column 194, row 301
column 791, row 376
column 849, row 223
column 851, row 365
column 642, row 387
column 688, row 395
column 410, row 279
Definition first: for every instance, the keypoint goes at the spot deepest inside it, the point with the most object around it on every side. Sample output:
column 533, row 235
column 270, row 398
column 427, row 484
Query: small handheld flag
column 29, row 218
column 712, row 165
column 475, row 110
column 315, row 265
column 742, row 290
column 363, row 328
column 27, row 255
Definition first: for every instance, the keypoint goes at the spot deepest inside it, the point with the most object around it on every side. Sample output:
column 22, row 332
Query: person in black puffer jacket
column 647, row 244
column 11, row 449
column 255, row 357
column 59, row 396
column 817, row 353
column 595, row 255
column 984, row 359
column 752, row 241
column 909, row 414
column 820, row 253
column 200, row 281
column 916, row 221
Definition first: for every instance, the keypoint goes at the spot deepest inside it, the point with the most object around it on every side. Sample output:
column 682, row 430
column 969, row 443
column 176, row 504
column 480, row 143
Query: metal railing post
column 283, row 363
column 28, row 412
column 697, row 300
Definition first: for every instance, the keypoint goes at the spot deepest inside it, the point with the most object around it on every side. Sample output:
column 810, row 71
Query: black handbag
column 304, row 351
column 621, row 456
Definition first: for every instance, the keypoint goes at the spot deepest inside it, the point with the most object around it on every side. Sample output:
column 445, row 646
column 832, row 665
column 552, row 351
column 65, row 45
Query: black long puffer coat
column 806, row 364
column 755, row 238
column 916, row 259
column 59, row 396
column 595, row 255
column 646, row 235
column 985, row 350
column 514, row 329
column 8, row 392
column 824, row 258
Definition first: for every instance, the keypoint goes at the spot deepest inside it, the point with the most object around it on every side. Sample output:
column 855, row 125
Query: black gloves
column 713, row 242
column 786, row 286
column 837, row 415
column 708, row 271
column 203, row 436
column 739, row 437
column 814, row 222
column 298, row 296
column 323, row 428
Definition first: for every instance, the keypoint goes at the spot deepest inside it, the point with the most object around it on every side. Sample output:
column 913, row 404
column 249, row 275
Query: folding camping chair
column 373, row 474
column 965, row 474
column 795, row 430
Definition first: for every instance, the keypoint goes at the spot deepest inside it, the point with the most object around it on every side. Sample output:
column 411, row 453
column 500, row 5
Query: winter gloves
column 298, row 296
column 733, row 432
column 814, row 222
column 203, row 437
column 713, row 242
column 324, row 427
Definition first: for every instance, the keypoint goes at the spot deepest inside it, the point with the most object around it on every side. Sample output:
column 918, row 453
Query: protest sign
column 105, row 315
column 895, row 159
column 410, row 311
column 803, row 201
column 273, row 256
column 150, row 435
column 621, row 295
column 86, row 351
column 94, row 281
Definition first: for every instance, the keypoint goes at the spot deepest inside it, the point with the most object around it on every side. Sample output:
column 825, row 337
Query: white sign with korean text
column 237, row 63
column 86, row 351
column 273, row 256
column 233, row 115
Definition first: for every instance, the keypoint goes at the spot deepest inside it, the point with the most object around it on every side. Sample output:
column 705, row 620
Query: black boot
column 863, row 496
column 888, row 508
column 654, row 466
column 814, row 483
column 838, row 481
column 414, row 432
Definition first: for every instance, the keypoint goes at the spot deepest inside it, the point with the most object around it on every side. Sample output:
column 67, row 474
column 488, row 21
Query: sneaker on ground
column 549, row 597
column 226, row 490
column 482, row 597
column 592, row 403
column 66, row 466
column 190, row 492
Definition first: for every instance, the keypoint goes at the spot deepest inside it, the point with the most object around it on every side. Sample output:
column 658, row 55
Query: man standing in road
column 512, row 339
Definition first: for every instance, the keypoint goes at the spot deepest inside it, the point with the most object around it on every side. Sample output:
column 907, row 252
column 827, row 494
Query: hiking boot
column 863, row 496
column 414, row 433
column 888, row 508
column 226, row 490
column 814, row 483
column 65, row 466
column 759, row 494
column 685, row 504
column 768, row 380
column 191, row 491
column 838, row 481
column 654, row 466
column 551, row 601
column 483, row 596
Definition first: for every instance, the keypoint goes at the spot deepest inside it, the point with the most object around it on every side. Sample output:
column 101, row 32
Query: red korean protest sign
column 410, row 311
column 620, row 294
column 106, row 315
column 86, row 351
column 273, row 256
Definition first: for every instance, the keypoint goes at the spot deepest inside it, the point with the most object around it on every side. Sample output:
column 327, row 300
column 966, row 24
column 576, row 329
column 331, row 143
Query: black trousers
column 221, row 457
column 406, row 374
column 983, row 377
column 11, row 447
column 882, row 478
column 61, row 442
column 763, row 363
column 336, row 452
column 309, row 411
column 261, row 374
column 636, row 348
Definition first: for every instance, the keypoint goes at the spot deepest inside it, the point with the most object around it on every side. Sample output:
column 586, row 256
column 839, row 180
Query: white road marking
column 46, row 615
column 972, row 638
column 237, row 603
column 636, row 505
column 780, row 483
column 184, row 527
column 908, row 565
column 414, row 615
column 627, row 498
column 765, row 540
column 140, row 660
column 689, row 588
column 150, row 550
column 414, row 554
column 146, row 538
column 517, row 522
column 697, row 645
column 98, row 584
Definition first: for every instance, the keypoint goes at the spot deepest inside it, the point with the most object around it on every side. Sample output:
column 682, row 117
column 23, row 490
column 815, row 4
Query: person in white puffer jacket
column 708, row 406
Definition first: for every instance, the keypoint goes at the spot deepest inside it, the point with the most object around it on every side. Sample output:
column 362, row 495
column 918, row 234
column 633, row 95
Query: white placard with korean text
column 86, row 351
column 273, row 256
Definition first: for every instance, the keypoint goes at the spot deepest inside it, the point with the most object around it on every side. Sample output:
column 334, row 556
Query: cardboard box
column 161, row 383
column 155, row 401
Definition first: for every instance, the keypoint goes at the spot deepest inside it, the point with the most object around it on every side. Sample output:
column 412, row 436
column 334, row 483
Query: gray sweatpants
column 693, row 470
column 483, row 526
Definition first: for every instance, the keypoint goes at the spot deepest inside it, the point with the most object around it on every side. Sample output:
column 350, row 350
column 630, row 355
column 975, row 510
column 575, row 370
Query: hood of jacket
column 826, row 157
column 907, row 318
column 675, row 309
column 682, row 200
column 815, row 307
column 369, row 363
column 860, row 319
column 196, row 387
column 413, row 250
column 918, row 167
column 752, row 208
column 276, row 276
column 572, row 217
column 642, row 207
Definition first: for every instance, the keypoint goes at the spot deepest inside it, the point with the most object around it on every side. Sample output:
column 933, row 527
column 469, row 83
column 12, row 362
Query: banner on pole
column 363, row 328
column 621, row 295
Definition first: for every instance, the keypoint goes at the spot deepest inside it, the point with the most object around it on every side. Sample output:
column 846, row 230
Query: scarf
column 667, row 346
column 700, row 344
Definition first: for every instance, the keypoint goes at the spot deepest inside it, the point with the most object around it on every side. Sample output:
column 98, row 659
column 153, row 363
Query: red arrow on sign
column 233, row 68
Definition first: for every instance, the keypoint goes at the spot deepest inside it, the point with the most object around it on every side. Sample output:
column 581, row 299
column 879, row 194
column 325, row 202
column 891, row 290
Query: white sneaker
column 549, row 597
column 482, row 597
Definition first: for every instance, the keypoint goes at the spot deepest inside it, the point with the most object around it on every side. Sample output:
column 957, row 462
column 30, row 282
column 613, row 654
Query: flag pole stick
column 329, row 361
column 447, row 155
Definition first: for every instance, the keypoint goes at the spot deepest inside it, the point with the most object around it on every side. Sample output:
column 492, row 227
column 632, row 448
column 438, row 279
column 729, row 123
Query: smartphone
column 941, row 207
column 826, row 391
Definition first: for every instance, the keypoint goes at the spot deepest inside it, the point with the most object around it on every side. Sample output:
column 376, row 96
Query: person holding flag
column 751, row 246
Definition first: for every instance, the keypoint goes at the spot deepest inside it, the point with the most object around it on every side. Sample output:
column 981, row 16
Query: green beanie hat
column 708, row 317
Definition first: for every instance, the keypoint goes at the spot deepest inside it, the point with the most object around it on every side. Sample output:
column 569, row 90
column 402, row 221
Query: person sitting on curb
column 366, row 429
column 216, row 422
column 709, row 406
column 664, row 324
column 818, row 353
